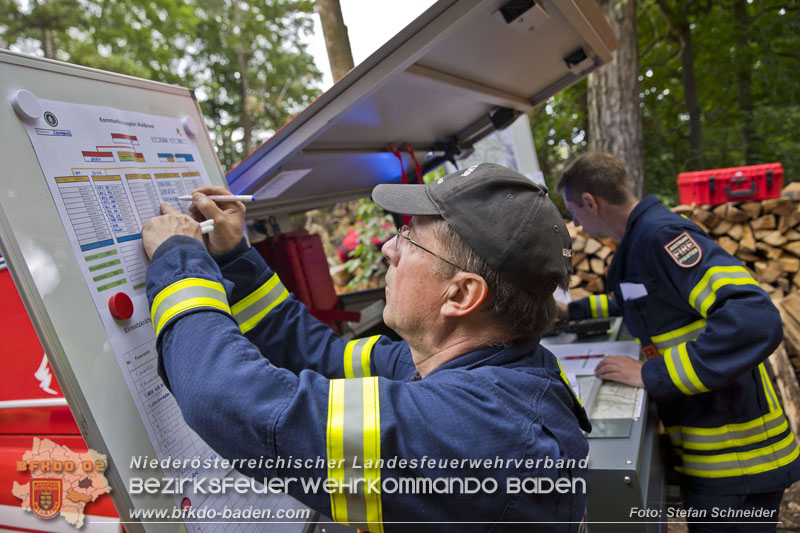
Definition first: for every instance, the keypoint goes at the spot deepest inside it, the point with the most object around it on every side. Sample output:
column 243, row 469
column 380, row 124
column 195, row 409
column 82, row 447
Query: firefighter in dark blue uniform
column 258, row 377
column 706, row 329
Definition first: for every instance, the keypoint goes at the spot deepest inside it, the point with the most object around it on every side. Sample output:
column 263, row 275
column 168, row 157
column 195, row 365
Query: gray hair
column 521, row 313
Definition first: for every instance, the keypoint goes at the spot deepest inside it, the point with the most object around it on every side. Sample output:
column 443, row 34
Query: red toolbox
column 735, row 184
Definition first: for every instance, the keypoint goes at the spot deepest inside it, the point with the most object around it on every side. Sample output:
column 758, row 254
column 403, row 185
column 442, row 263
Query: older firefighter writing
column 469, row 289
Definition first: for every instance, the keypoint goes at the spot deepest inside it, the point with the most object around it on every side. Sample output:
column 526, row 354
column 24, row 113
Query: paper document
column 107, row 171
column 581, row 358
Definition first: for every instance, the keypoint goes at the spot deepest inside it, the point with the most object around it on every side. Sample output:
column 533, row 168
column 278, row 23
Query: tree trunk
column 337, row 43
column 744, row 81
column 244, row 94
column 690, row 97
column 246, row 121
column 615, row 120
column 48, row 44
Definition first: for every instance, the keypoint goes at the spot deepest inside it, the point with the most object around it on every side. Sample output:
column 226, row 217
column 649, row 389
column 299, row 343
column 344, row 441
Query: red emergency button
column 121, row 306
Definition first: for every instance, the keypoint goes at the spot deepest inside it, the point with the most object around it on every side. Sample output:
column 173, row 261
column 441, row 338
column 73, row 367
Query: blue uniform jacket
column 256, row 375
column 708, row 328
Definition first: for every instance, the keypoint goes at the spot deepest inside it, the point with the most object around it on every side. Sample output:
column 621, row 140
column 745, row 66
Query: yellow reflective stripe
column 673, row 372
column 733, row 427
column 372, row 451
column 751, row 462
column 569, row 385
column 593, row 306
column 729, row 435
column 366, row 355
column 191, row 303
column 189, row 293
column 348, row 358
column 675, row 337
column 598, row 305
column 255, row 306
column 703, row 295
column 765, row 382
column 353, row 434
column 771, row 388
column 689, row 369
column 725, row 281
column 357, row 354
column 336, row 448
column 182, row 284
column 702, row 285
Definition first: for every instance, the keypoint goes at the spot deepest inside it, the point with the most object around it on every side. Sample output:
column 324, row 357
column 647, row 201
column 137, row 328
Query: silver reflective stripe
column 186, row 294
column 686, row 337
column 753, row 462
column 353, row 439
column 255, row 306
column 708, row 289
column 353, row 433
column 769, row 392
column 355, row 357
column 357, row 354
column 730, row 438
column 676, row 362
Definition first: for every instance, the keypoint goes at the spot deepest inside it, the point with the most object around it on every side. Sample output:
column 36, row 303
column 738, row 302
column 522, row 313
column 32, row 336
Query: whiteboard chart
column 108, row 171
column 85, row 170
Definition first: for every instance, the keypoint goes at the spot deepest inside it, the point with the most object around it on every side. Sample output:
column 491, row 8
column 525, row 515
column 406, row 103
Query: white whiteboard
column 79, row 182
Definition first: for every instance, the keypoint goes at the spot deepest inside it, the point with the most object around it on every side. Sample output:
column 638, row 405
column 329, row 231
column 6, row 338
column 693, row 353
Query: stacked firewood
column 590, row 260
column 764, row 235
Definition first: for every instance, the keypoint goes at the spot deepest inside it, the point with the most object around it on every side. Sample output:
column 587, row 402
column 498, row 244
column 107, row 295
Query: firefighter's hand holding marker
column 225, row 218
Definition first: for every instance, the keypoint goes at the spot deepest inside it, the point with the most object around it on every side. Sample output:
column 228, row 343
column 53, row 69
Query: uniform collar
column 615, row 268
column 497, row 355
column 647, row 202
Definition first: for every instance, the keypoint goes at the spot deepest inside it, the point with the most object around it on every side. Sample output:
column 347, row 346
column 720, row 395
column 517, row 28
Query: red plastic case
column 735, row 184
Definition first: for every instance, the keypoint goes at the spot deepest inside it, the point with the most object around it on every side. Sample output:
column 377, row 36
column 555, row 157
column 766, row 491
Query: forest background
column 694, row 85
column 717, row 81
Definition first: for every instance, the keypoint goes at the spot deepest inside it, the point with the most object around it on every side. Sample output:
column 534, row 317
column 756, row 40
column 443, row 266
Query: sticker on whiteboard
column 282, row 181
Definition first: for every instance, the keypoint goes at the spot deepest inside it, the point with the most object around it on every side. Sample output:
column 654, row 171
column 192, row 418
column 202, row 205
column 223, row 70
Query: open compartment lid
column 461, row 70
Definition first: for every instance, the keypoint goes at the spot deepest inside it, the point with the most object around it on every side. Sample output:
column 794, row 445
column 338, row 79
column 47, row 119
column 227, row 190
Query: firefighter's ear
column 465, row 293
column 590, row 202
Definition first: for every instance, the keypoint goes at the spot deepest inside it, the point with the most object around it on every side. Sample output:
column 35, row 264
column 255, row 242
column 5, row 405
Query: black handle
column 744, row 192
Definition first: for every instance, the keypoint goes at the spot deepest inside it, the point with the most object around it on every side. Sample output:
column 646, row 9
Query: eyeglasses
column 405, row 230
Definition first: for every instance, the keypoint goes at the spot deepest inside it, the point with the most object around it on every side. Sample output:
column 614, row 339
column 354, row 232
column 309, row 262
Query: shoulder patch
column 684, row 250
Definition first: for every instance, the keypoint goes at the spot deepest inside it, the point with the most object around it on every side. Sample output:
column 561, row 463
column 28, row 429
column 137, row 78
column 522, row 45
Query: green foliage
column 368, row 263
column 256, row 69
column 245, row 59
column 560, row 128
column 434, row 175
column 766, row 51
column 770, row 55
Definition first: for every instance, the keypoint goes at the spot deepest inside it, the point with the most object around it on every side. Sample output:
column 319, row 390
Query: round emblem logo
column 51, row 119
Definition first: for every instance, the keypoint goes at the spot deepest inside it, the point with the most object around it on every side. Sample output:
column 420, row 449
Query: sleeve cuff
column 233, row 254
column 176, row 241
column 576, row 310
column 656, row 380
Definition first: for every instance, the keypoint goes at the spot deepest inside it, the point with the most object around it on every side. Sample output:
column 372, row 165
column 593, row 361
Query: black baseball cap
column 506, row 218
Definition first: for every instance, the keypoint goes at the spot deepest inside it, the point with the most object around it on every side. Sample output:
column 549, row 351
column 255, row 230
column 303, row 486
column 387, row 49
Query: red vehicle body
column 26, row 376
